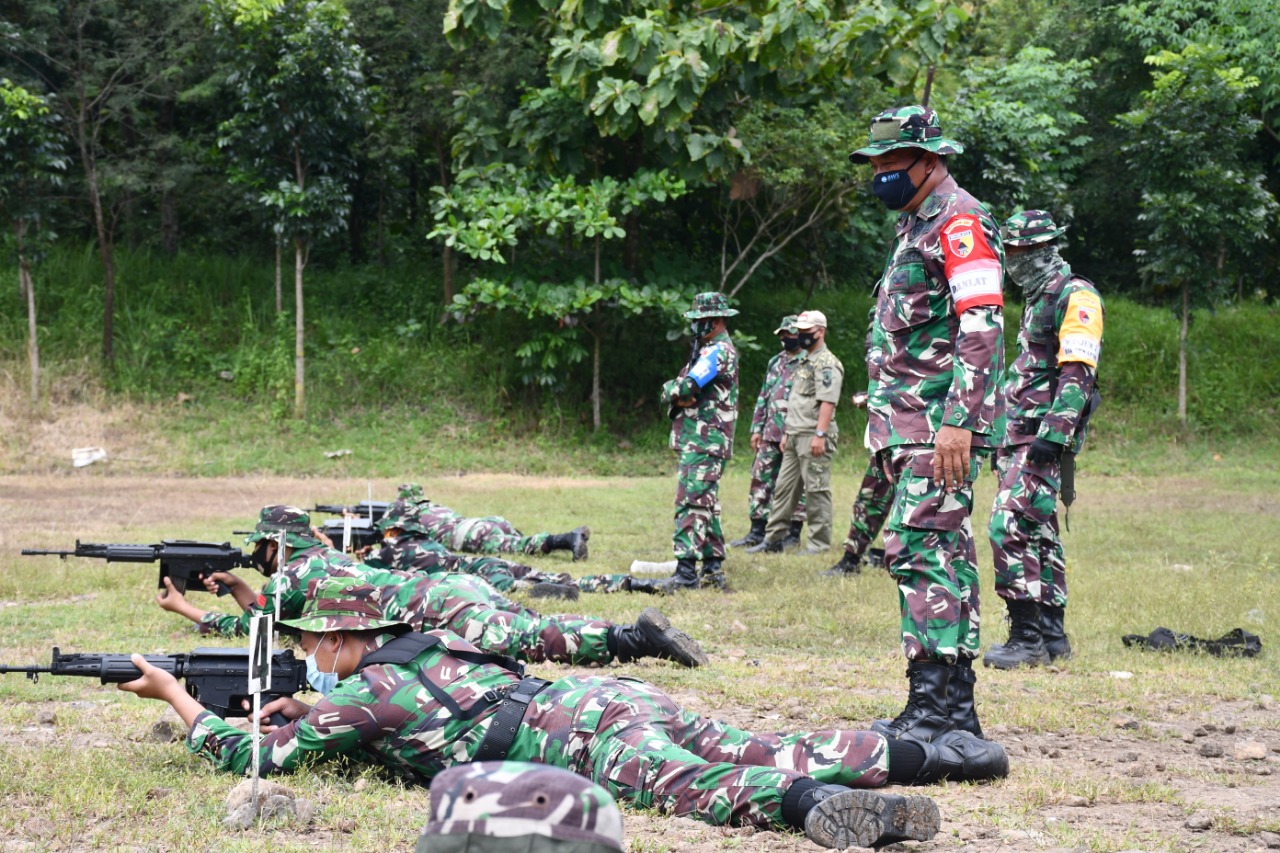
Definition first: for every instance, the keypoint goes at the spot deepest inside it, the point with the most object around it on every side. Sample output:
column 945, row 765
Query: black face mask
column 704, row 327
column 791, row 343
column 806, row 339
column 260, row 559
column 895, row 189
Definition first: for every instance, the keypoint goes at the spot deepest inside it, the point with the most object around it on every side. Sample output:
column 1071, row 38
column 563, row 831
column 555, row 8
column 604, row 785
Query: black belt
column 506, row 722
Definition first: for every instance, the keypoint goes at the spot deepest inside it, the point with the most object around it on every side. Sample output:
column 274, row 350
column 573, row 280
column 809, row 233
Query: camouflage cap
column 1030, row 228
column 906, row 127
column 295, row 523
column 787, row 326
column 515, row 799
column 403, row 514
column 411, row 492
column 710, row 304
column 341, row 604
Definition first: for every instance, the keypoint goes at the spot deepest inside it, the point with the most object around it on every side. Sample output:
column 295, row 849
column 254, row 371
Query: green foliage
column 1023, row 140
column 32, row 158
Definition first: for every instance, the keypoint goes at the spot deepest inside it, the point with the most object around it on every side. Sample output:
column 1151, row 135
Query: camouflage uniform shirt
column 1053, row 376
column 939, row 317
column 712, row 381
column 770, row 414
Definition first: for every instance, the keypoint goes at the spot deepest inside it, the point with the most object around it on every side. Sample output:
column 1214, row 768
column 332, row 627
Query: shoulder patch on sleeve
column 262, row 600
column 1080, row 338
column 972, row 268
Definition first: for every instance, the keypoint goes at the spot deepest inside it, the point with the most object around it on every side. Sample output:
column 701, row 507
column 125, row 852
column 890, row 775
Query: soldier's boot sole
column 1014, row 655
column 580, row 545
column 859, row 818
column 675, row 645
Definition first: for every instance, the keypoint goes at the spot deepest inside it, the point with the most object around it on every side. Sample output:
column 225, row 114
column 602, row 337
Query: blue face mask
column 323, row 682
column 895, row 189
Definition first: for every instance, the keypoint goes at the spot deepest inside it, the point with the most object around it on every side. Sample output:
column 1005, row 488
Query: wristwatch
column 822, row 433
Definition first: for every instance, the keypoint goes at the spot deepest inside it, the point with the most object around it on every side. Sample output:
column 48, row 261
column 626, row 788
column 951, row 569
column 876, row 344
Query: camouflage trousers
column 929, row 548
column 489, row 535
column 428, row 558
column 802, row 472
column 603, row 583
column 633, row 740
column 1026, row 547
column 476, row 612
column 764, row 476
column 870, row 509
column 698, row 535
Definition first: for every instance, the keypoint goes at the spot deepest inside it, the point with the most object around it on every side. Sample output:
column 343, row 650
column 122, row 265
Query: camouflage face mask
column 1033, row 269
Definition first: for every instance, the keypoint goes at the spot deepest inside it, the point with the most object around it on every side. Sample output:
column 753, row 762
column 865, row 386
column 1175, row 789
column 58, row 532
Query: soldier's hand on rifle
column 176, row 602
column 158, row 684
column 324, row 537
column 293, row 709
column 756, row 441
column 240, row 589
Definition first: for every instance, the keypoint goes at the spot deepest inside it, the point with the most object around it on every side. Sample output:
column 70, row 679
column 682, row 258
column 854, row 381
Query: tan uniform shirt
column 816, row 378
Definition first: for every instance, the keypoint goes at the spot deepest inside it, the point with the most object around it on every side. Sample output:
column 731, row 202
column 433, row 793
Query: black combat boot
column 926, row 715
column 686, row 574
column 1056, row 642
column 651, row 586
column 960, row 698
column 875, row 558
column 755, row 537
column 713, row 574
column 792, row 539
column 1026, row 645
column 961, row 757
column 838, row 817
column 849, row 565
column 653, row 637
column 546, row 589
column 575, row 540
column 774, row 547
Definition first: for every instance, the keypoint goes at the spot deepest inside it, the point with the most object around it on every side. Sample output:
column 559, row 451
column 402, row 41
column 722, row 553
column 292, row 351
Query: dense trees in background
column 584, row 165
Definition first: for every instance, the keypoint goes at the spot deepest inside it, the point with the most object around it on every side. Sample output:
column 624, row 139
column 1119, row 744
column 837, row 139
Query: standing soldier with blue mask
column 939, row 316
column 703, row 404
column 1050, row 393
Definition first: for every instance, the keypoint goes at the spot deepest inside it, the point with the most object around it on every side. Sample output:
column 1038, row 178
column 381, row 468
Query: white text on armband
column 975, row 284
column 1080, row 348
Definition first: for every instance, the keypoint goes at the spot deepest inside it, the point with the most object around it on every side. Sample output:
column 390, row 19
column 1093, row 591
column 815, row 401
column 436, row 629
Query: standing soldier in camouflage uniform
column 809, row 440
column 939, row 315
column 419, row 703
column 766, row 437
column 491, row 534
column 703, row 404
column 461, row 603
column 1049, row 394
column 871, row 505
column 406, row 548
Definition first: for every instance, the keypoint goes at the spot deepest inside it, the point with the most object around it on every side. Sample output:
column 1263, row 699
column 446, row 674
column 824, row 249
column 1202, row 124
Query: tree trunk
column 106, row 252
column 169, row 223
column 279, row 275
column 299, row 366
column 1182, row 353
column 595, row 381
column 28, row 289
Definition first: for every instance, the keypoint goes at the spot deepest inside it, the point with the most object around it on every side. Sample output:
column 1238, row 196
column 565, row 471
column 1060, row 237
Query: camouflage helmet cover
column 906, row 127
column 515, row 799
column 295, row 523
column 403, row 514
column 411, row 492
column 787, row 326
column 1030, row 228
column 710, row 304
column 341, row 604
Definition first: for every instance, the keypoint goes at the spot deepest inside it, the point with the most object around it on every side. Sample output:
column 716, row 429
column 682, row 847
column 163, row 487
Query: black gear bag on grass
column 1236, row 642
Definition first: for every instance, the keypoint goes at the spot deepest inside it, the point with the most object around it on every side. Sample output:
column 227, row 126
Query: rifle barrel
column 37, row 552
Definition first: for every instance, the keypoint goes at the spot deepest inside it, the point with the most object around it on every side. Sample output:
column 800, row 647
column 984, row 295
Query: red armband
column 972, row 268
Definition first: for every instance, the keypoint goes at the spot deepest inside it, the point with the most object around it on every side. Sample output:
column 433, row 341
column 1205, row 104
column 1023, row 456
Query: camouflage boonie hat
column 787, row 326
column 294, row 522
column 412, row 493
column 711, row 304
column 341, row 604
column 1030, row 228
column 403, row 514
column 906, row 127
column 473, row 804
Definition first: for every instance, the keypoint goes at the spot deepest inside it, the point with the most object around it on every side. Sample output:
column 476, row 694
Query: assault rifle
column 181, row 560
column 216, row 678
column 372, row 510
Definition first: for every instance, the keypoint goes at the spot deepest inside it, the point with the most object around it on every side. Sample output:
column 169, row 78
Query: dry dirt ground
column 1221, row 762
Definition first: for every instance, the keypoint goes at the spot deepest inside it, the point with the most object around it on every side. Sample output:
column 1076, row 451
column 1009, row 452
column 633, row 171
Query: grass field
column 1100, row 761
